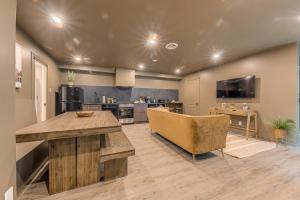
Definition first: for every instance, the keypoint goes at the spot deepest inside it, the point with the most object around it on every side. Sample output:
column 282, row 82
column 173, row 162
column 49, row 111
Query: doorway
column 40, row 88
column 191, row 90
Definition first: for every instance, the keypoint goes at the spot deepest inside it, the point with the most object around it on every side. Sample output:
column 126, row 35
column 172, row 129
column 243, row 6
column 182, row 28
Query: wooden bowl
column 84, row 113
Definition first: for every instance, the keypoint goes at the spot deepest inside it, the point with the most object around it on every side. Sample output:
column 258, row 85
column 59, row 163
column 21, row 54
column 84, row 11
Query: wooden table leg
column 256, row 126
column 115, row 168
column 88, row 160
column 248, row 126
column 62, row 165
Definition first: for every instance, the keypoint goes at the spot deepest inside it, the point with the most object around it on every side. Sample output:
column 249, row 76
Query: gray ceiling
column 114, row 32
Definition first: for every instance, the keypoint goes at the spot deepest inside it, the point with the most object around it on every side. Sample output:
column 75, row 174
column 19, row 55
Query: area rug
column 237, row 146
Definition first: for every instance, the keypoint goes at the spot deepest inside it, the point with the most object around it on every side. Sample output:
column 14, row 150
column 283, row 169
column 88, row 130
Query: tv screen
column 236, row 88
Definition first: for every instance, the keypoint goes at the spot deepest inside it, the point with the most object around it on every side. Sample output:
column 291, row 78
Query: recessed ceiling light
column 76, row 41
column 219, row 22
column 217, row 55
column 154, row 60
column 171, row 46
column 178, row 71
column 141, row 66
column 152, row 40
column 77, row 58
column 57, row 20
column 104, row 15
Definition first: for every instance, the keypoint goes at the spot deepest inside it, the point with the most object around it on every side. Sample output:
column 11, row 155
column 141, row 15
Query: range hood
column 125, row 77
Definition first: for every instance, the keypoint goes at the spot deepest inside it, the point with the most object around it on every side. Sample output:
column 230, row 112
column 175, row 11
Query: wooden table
column 74, row 147
column 248, row 114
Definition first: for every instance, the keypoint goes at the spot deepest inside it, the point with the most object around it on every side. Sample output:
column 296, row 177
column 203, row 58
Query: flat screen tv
column 243, row 87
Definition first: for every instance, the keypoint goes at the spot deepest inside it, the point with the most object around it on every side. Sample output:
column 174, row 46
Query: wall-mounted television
column 243, row 87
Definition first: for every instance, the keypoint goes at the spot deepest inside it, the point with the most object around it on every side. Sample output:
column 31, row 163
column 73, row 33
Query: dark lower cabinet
column 140, row 112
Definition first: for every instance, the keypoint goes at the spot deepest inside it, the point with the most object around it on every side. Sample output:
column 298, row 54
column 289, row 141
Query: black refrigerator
column 69, row 99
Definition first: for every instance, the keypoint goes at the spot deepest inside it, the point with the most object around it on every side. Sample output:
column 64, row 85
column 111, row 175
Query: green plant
column 283, row 124
column 70, row 76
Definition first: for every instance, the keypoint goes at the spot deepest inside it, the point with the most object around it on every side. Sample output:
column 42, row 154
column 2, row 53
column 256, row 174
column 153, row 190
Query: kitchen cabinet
column 140, row 112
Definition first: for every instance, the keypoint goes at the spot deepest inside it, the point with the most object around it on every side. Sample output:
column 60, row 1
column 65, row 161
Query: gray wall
column 25, row 110
column 7, row 106
column 93, row 94
column 276, row 71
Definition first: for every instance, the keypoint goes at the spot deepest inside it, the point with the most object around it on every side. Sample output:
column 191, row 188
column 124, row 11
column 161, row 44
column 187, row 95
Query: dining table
column 74, row 146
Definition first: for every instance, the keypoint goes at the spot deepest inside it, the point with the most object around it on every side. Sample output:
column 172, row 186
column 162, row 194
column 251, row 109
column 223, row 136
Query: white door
column 191, row 90
column 40, row 91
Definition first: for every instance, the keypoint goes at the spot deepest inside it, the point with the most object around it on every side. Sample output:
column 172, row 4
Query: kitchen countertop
column 101, row 103
column 92, row 104
column 163, row 103
column 125, row 103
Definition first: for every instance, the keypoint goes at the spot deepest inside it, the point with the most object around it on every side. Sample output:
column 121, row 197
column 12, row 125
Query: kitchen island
column 74, row 146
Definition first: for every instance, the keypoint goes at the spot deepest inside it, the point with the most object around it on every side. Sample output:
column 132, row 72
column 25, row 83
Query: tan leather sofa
column 195, row 134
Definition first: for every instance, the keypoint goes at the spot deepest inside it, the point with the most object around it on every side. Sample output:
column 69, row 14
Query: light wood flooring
column 160, row 170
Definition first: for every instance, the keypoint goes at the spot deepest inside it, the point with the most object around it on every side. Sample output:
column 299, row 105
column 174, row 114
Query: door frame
column 34, row 58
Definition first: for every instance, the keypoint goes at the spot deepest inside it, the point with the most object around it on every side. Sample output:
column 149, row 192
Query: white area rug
column 237, row 146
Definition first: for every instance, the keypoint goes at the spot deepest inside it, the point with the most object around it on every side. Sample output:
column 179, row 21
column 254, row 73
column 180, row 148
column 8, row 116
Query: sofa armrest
column 210, row 132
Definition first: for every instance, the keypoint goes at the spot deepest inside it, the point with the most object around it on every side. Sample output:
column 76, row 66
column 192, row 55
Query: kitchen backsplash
column 93, row 94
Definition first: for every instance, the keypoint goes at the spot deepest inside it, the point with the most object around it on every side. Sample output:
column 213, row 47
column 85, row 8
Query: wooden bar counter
column 74, row 147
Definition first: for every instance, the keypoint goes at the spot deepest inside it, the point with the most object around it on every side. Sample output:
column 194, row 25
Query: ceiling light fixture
column 57, row 20
column 216, row 56
column 171, row 46
column 154, row 60
column 77, row 58
column 141, row 66
column 177, row 71
column 152, row 40
column 76, row 41
column 219, row 22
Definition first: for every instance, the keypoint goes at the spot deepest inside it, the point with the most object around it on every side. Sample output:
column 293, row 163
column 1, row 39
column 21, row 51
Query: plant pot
column 70, row 83
column 280, row 133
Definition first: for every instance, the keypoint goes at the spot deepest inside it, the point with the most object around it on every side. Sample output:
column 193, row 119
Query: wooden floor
column 161, row 170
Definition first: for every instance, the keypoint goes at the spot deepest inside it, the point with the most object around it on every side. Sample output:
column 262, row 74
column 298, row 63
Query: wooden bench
column 115, row 149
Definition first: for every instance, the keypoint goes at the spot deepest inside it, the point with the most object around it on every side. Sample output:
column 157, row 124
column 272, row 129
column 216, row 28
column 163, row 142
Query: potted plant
column 281, row 127
column 70, row 77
